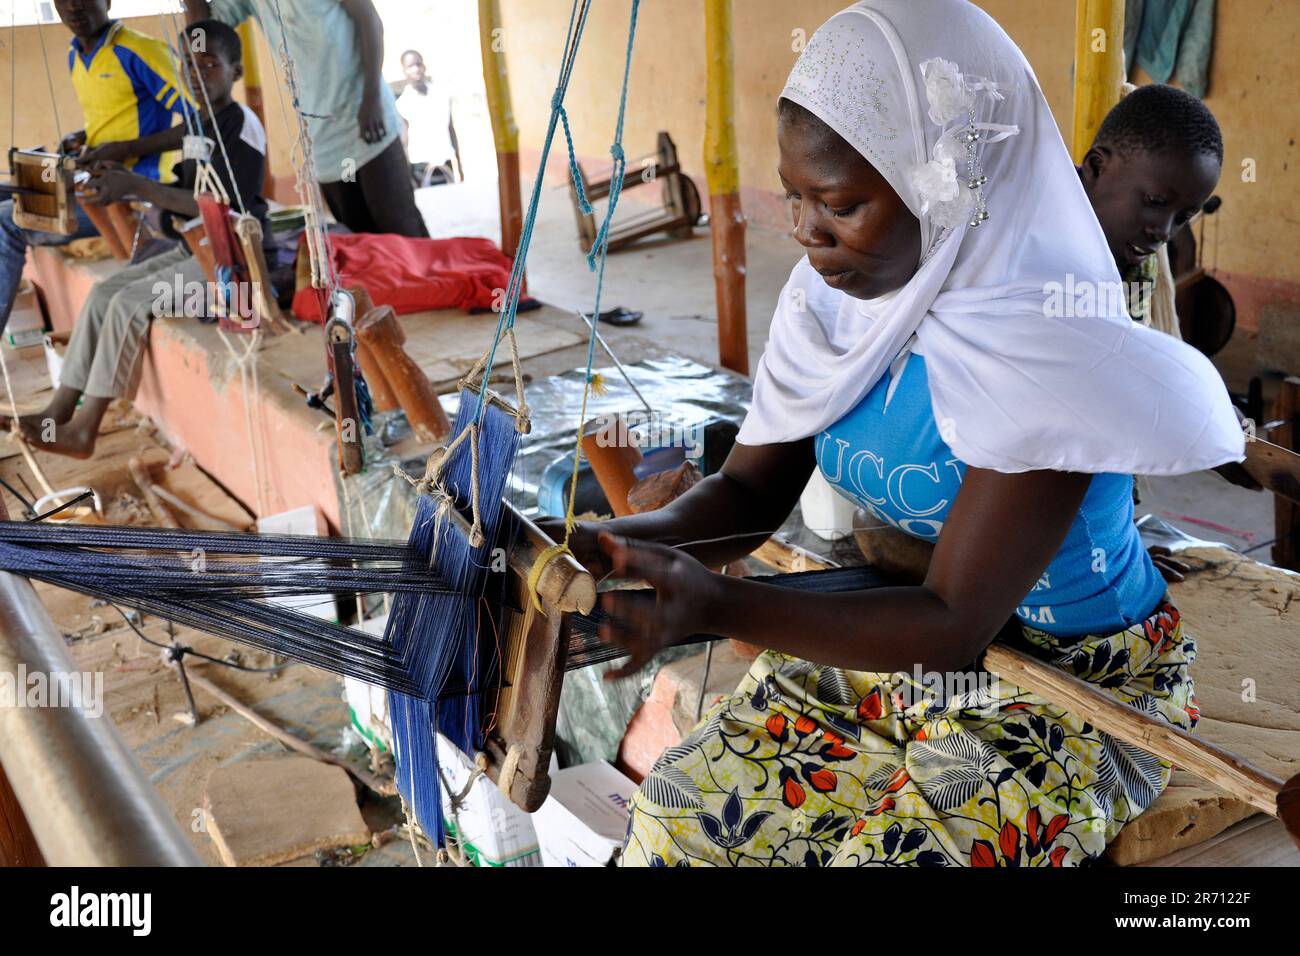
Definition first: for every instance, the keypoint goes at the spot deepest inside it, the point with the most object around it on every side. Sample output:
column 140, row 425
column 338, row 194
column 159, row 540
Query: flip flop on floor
column 620, row 317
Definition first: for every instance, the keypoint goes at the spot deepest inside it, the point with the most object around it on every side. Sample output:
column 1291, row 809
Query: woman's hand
column 684, row 601
column 1170, row 568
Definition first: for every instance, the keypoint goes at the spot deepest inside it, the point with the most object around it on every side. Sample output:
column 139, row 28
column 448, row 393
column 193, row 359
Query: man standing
column 337, row 47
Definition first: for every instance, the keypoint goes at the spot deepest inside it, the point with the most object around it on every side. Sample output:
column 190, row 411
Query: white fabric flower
column 936, row 182
column 951, row 214
column 946, row 90
column 943, row 197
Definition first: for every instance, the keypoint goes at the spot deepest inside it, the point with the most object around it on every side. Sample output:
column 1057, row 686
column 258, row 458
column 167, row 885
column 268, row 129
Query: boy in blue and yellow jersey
column 127, row 85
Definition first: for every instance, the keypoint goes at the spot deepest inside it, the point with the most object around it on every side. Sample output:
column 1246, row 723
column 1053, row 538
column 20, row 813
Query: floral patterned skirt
column 807, row 765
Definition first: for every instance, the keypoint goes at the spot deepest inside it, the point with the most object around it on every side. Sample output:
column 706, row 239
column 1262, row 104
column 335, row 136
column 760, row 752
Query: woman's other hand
column 582, row 543
column 683, row 601
column 1170, row 568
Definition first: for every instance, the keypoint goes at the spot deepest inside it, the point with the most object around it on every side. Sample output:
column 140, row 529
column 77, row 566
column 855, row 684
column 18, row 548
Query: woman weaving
column 914, row 358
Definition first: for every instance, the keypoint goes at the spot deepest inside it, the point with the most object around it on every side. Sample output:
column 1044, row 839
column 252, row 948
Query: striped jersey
column 127, row 85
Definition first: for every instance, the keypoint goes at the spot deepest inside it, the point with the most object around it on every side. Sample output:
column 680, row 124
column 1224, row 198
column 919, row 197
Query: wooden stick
column 564, row 583
column 722, row 165
column 380, row 391
column 286, row 738
column 141, row 477
column 780, row 555
column 606, row 445
column 180, row 504
column 383, row 337
column 1226, row 770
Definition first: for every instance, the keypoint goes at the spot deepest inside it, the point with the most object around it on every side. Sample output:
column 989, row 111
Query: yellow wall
column 1252, row 92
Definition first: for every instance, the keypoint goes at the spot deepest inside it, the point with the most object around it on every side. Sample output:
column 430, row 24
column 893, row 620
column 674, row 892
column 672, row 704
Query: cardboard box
column 368, row 703
column 306, row 520
column 584, row 819
column 491, row 829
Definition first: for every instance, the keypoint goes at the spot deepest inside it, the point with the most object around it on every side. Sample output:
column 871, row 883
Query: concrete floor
column 672, row 283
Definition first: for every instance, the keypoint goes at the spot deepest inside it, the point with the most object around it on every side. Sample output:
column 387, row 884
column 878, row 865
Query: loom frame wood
column 29, row 168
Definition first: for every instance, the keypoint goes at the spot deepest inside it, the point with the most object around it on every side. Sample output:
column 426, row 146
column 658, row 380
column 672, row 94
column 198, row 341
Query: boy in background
column 1151, row 168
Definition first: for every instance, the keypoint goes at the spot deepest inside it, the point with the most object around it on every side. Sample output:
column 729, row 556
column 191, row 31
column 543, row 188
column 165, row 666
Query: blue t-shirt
column 888, row 456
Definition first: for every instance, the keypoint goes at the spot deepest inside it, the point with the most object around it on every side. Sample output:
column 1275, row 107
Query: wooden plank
column 1256, row 841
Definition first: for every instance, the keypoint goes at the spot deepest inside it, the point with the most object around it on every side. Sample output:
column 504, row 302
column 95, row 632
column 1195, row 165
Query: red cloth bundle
column 412, row 275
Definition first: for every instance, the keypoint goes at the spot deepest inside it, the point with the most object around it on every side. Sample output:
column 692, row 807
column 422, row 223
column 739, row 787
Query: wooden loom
column 518, row 752
column 195, row 234
column 517, row 755
column 679, row 208
column 534, row 651
column 43, row 195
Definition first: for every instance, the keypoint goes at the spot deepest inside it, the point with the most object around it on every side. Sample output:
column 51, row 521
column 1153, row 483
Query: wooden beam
column 722, row 165
column 504, row 131
column 1226, row 770
column 1098, row 68
column 253, row 93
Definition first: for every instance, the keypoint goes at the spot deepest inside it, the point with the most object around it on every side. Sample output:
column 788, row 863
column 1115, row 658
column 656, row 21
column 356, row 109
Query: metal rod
column 85, row 797
column 617, row 364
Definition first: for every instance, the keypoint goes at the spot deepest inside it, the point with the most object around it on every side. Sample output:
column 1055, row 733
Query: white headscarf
column 1032, row 360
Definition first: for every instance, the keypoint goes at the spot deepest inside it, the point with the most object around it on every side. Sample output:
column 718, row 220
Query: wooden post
column 1098, row 68
column 504, row 131
column 1286, row 514
column 723, row 169
column 17, row 844
column 253, row 93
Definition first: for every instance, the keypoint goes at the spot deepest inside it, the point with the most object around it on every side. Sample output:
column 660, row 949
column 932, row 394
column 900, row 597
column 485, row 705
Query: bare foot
column 73, row 439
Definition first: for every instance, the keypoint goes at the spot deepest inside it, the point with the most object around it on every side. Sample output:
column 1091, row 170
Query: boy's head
column 86, row 19
column 213, row 58
column 1154, row 163
column 413, row 66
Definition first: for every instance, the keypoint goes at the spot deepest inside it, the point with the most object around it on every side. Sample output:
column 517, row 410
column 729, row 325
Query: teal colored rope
column 577, row 24
column 600, row 250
